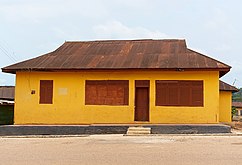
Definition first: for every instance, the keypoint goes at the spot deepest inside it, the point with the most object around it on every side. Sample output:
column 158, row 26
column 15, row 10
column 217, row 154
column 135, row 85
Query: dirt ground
column 122, row 150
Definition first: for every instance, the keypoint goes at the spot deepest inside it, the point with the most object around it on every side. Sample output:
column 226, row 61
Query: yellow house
column 120, row 81
column 225, row 101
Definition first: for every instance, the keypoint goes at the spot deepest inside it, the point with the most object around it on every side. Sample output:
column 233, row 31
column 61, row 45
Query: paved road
column 119, row 150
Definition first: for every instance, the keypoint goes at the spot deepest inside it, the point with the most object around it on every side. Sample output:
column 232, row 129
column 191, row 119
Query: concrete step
column 138, row 131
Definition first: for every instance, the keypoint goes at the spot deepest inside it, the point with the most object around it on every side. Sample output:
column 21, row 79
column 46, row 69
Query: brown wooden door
column 141, row 104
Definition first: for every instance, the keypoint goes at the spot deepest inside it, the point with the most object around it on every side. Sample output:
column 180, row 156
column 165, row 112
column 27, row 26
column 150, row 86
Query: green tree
column 237, row 96
column 233, row 111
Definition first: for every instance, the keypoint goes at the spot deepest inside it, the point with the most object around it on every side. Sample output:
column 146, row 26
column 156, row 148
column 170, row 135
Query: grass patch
column 6, row 114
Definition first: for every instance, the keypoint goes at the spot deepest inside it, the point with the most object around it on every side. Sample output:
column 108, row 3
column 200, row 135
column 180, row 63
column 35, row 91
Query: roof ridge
column 134, row 40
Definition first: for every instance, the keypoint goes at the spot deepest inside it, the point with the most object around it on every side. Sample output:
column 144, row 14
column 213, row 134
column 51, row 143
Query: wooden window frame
column 187, row 93
column 98, row 92
column 46, row 92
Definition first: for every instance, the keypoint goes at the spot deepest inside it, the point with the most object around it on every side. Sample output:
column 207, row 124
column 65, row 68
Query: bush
column 6, row 114
column 233, row 111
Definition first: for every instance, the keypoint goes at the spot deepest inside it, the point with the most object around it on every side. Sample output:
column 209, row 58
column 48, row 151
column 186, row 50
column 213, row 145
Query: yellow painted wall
column 225, row 99
column 69, row 102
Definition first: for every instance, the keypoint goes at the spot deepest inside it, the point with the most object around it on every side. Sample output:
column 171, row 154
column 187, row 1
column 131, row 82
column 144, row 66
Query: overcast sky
column 29, row 28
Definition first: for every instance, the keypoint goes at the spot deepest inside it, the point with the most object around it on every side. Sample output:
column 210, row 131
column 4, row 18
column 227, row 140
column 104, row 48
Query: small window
column 107, row 92
column 179, row 93
column 46, row 91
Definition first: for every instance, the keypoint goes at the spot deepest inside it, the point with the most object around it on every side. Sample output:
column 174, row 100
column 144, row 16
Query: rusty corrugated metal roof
column 7, row 92
column 237, row 104
column 226, row 87
column 121, row 54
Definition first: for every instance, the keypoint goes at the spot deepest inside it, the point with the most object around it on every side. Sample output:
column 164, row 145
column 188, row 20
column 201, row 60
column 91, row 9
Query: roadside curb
column 82, row 130
column 124, row 135
column 43, row 136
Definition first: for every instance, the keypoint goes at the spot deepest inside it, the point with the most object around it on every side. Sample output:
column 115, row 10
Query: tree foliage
column 233, row 111
column 237, row 96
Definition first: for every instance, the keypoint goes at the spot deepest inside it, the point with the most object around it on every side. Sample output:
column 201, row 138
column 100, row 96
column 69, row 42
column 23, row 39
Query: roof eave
column 233, row 91
column 223, row 86
column 12, row 71
column 222, row 71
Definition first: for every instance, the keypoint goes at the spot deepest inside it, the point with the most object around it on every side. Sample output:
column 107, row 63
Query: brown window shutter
column 173, row 94
column 46, row 91
column 197, row 94
column 185, row 93
column 106, row 92
column 161, row 93
column 179, row 93
column 126, row 93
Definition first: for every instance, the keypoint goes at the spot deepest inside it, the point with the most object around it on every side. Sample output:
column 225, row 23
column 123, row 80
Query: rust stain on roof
column 121, row 54
column 226, row 87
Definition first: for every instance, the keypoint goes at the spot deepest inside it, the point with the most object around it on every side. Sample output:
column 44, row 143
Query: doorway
column 142, row 100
